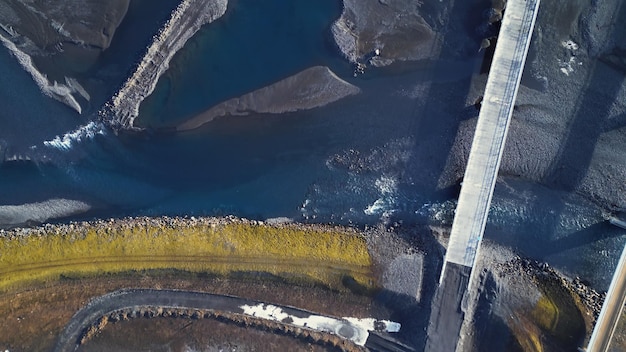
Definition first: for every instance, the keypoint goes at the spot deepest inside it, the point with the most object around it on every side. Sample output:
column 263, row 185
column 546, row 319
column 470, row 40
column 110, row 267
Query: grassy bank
column 323, row 255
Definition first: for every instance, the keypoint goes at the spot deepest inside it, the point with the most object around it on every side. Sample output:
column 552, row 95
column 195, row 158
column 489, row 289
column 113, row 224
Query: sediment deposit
column 15, row 215
column 521, row 304
column 311, row 88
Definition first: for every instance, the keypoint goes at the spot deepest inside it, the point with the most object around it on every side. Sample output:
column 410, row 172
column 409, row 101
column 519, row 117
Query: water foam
column 386, row 205
column 67, row 141
column 362, row 185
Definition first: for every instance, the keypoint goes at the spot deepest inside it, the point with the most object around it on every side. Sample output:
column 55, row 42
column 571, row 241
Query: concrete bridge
column 613, row 305
column 480, row 175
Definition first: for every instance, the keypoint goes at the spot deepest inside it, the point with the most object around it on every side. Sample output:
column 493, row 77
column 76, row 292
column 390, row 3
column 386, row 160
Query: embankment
column 220, row 246
column 185, row 21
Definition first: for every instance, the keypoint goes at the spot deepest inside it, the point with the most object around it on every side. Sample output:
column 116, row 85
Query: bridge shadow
column 585, row 130
column 545, row 241
column 541, row 248
column 439, row 115
column 593, row 233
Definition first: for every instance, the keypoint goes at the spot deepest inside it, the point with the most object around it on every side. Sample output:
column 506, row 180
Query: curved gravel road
column 355, row 330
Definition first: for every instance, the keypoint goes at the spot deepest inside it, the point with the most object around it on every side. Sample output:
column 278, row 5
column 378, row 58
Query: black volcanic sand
column 567, row 128
column 394, row 27
column 101, row 65
column 567, row 135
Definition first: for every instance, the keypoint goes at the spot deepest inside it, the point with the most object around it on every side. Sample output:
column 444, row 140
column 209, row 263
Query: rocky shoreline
column 332, row 257
column 590, row 298
column 382, row 32
column 170, row 222
column 384, row 244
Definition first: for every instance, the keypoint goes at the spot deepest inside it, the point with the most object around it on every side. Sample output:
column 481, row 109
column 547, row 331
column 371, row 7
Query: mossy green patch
column 317, row 254
column 556, row 313
column 546, row 314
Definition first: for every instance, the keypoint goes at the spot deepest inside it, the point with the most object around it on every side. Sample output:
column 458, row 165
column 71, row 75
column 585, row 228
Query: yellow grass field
column 326, row 256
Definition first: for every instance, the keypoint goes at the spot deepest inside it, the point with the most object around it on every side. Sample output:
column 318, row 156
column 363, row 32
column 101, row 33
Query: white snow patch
column 353, row 329
column 77, row 87
column 569, row 44
column 567, row 67
column 369, row 324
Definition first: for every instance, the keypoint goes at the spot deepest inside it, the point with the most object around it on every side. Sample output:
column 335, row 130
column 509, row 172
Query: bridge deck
column 491, row 130
column 611, row 310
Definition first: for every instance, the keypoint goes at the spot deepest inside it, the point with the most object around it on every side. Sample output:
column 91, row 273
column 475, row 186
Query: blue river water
column 375, row 157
